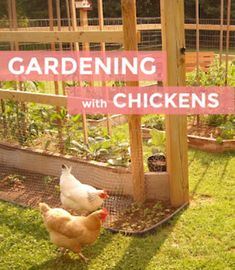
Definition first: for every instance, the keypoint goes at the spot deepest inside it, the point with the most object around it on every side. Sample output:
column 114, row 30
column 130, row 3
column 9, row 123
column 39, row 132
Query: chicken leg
column 83, row 257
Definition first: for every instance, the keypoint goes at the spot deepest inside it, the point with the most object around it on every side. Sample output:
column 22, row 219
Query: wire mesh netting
column 32, row 141
column 28, row 189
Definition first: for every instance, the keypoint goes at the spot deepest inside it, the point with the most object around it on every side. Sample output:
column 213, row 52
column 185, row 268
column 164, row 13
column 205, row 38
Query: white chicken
column 77, row 196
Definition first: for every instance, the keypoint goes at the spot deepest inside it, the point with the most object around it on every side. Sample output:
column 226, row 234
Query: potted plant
column 157, row 162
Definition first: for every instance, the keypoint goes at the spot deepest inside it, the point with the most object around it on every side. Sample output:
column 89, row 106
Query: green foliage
column 219, row 140
column 215, row 120
column 158, row 141
column 214, row 77
column 112, row 9
column 155, row 121
column 102, row 148
column 228, row 131
column 95, row 116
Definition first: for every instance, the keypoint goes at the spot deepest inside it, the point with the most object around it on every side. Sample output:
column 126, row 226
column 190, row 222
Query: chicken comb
column 105, row 211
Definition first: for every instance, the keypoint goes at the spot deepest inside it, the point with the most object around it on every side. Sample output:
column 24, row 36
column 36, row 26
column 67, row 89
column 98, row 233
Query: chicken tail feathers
column 65, row 168
column 44, row 208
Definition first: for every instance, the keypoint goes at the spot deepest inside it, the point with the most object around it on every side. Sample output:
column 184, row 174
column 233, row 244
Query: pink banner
column 151, row 100
column 82, row 66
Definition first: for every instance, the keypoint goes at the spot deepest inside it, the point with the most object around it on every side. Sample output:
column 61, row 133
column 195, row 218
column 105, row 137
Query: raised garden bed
column 201, row 143
column 210, row 144
column 117, row 180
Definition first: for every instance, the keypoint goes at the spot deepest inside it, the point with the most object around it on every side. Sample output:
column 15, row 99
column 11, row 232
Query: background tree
column 37, row 9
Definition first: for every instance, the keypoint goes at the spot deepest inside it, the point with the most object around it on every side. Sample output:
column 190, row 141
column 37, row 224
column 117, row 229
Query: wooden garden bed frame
column 173, row 37
column 93, row 173
column 205, row 60
column 200, row 143
column 210, row 144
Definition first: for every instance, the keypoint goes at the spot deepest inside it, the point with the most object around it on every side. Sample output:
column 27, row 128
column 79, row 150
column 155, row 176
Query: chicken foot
column 63, row 251
column 83, row 257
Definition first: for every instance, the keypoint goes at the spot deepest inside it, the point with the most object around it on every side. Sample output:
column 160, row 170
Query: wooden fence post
column 221, row 46
column 172, row 14
column 102, row 48
column 197, row 38
column 227, row 40
column 76, row 46
column 137, row 163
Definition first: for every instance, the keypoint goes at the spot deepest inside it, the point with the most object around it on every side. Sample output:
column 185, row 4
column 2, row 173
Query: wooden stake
column 137, row 163
column 10, row 20
column 84, row 24
column 197, row 49
column 74, row 21
column 102, row 47
column 14, row 15
column 56, row 83
column 19, row 85
column 197, row 38
column 172, row 16
column 76, row 46
column 53, row 47
column 59, row 29
column 58, row 15
column 228, row 40
column 221, row 30
column 69, row 20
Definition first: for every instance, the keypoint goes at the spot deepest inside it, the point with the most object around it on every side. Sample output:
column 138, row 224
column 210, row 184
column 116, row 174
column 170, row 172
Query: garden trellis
column 128, row 33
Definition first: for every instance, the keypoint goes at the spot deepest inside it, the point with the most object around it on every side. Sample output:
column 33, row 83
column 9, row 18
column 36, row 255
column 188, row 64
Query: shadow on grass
column 199, row 180
column 72, row 261
column 61, row 263
column 137, row 256
column 64, row 262
column 222, row 160
column 142, row 249
column 224, row 170
column 191, row 159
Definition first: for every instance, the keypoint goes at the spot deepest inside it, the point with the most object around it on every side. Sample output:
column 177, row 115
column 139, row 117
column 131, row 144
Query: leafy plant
column 228, row 131
column 215, row 120
column 158, row 141
column 95, row 116
column 215, row 76
column 156, row 121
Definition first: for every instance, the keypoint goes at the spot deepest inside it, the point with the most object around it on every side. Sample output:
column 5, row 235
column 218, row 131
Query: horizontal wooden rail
column 118, row 28
column 209, row 27
column 88, row 28
column 49, row 99
column 107, row 36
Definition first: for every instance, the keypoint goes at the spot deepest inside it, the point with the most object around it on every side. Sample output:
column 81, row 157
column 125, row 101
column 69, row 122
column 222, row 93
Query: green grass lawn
column 201, row 237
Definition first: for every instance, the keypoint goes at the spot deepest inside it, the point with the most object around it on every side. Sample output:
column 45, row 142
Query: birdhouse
column 83, row 4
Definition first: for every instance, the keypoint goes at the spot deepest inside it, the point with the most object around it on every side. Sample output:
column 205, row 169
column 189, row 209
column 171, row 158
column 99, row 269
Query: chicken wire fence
column 28, row 189
column 48, row 129
column 45, row 134
column 35, row 140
